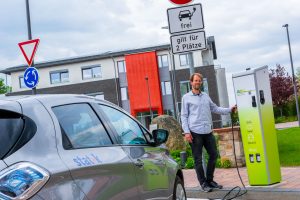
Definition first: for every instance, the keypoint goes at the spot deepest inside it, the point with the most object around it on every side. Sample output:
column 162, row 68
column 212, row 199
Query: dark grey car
column 78, row 147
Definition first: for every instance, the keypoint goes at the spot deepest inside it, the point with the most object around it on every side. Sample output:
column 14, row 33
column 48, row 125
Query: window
column 59, row 77
column 128, row 130
column 121, row 66
column 81, row 128
column 204, row 87
column 124, row 93
column 163, row 61
column 166, row 88
column 91, row 72
column 185, row 86
column 184, row 59
column 169, row 112
column 21, row 82
column 11, row 125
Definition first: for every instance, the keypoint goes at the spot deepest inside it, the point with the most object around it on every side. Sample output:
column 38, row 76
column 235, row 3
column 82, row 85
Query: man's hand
column 234, row 109
column 188, row 137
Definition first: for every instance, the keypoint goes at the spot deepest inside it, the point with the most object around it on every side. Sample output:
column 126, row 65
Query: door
column 100, row 168
column 149, row 163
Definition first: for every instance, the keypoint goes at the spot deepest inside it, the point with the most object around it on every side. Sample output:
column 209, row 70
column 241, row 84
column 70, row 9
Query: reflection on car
column 74, row 147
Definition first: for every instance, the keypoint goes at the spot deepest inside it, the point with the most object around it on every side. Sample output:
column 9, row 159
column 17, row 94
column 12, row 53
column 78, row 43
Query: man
column 197, row 126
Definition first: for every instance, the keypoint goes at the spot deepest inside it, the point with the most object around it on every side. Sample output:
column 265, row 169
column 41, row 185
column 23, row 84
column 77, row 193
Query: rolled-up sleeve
column 185, row 115
column 218, row 110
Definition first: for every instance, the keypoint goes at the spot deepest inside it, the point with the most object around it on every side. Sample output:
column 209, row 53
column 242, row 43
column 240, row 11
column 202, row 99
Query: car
column 185, row 14
column 78, row 147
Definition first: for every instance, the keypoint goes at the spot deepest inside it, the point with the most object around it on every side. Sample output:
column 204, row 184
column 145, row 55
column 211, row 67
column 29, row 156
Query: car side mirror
column 160, row 136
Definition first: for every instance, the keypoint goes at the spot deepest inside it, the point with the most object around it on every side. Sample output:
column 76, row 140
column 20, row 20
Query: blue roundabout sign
column 31, row 77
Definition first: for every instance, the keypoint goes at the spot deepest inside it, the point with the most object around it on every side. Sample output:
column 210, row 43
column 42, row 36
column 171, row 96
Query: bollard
column 183, row 158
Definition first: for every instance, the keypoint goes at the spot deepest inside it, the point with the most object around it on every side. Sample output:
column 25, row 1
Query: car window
column 128, row 130
column 81, row 127
column 11, row 126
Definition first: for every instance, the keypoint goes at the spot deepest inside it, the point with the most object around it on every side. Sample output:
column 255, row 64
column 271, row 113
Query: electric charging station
column 254, row 101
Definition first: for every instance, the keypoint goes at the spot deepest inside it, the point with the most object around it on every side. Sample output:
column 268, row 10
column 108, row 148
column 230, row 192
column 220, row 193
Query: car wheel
column 179, row 191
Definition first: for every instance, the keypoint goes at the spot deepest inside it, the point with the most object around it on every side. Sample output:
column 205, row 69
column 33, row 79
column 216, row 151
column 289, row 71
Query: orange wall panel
column 139, row 66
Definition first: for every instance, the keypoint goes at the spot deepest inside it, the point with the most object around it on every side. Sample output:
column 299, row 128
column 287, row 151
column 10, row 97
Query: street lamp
column 149, row 100
column 292, row 66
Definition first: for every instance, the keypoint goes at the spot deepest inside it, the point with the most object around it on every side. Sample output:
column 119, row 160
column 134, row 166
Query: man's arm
column 185, row 116
column 219, row 110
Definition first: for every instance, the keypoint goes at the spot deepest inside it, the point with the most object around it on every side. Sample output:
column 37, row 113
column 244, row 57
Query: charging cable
column 236, row 188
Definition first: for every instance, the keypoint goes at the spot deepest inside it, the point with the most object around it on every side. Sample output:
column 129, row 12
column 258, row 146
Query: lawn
column 289, row 146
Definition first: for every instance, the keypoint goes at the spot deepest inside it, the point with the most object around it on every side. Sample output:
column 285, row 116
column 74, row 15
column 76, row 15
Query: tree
column 298, row 73
column 3, row 88
column 281, row 87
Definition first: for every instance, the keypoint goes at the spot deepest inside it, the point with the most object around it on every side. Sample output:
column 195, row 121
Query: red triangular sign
column 28, row 49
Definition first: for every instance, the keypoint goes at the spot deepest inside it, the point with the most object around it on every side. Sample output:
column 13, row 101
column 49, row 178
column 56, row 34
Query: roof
column 109, row 54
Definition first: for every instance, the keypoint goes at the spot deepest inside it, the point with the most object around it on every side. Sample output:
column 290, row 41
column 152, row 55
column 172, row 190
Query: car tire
column 179, row 191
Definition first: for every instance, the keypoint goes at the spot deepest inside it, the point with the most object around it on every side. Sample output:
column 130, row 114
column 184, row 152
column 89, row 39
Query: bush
column 189, row 163
column 175, row 154
column 225, row 163
column 285, row 119
column 219, row 164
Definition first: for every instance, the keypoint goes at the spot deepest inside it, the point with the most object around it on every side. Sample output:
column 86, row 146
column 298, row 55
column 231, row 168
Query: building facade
column 146, row 82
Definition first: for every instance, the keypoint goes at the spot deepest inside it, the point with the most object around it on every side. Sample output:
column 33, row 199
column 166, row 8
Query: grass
column 289, row 146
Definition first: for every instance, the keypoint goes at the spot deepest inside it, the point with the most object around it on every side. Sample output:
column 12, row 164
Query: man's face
column 196, row 83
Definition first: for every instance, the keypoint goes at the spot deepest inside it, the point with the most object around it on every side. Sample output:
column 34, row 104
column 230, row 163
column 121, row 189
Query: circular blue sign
column 31, row 77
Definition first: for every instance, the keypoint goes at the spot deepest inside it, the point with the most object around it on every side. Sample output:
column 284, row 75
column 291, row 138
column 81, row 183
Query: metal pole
column 293, row 76
column 29, row 35
column 173, row 78
column 149, row 100
column 191, row 63
column 116, row 83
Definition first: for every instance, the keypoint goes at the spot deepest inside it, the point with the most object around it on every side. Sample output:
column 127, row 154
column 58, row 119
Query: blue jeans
column 209, row 143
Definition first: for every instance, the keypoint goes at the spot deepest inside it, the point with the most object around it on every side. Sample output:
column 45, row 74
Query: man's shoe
column 205, row 187
column 214, row 185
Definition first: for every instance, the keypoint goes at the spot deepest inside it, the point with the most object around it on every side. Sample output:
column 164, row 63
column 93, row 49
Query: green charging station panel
column 254, row 101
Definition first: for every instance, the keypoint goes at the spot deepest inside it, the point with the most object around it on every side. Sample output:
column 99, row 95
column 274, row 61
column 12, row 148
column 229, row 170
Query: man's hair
column 196, row 74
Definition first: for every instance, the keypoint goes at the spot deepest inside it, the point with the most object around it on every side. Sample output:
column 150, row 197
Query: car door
column 150, row 166
column 99, row 167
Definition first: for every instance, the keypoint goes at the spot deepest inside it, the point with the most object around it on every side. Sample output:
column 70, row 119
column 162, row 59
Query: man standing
column 197, row 126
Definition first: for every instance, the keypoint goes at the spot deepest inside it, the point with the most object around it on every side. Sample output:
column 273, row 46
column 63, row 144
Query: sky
column 247, row 33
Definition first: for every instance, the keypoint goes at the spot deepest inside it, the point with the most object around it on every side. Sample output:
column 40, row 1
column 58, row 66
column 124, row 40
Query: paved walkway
column 229, row 178
column 288, row 188
column 286, row 125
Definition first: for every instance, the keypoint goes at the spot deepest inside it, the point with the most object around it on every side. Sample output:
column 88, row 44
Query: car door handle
column 139, row 163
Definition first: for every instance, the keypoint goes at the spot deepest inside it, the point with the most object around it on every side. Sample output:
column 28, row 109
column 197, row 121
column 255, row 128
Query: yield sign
column 28, row 49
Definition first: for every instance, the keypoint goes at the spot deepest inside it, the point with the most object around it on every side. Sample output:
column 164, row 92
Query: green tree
column 3, row 88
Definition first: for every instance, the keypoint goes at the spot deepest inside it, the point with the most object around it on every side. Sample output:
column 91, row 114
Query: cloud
column 247, row 33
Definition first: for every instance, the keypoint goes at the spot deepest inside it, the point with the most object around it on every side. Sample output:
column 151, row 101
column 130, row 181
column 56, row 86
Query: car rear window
column 11, row 126
column 15, row 131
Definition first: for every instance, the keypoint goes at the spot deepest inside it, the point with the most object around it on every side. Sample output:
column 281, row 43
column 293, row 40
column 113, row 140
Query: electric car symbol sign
column 185, row 18
column 31, row 77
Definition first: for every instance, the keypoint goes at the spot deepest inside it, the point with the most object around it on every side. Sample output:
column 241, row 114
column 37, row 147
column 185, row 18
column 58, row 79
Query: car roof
column 48, row 98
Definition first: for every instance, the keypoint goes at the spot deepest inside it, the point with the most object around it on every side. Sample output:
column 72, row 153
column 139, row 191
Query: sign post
column 28, row 49
column 31, row 76
column 186, row 28
column 188, row 42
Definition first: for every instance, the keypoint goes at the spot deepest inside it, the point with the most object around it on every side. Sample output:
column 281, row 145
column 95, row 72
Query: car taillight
column 22, row 181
